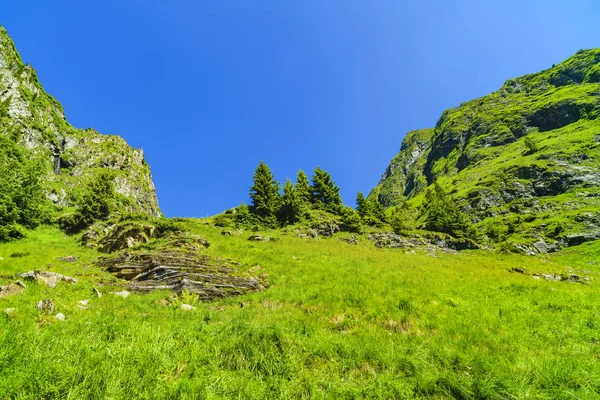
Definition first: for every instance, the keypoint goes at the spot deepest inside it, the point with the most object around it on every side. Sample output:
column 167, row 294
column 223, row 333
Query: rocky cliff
column 526, row 155
column 35, row 120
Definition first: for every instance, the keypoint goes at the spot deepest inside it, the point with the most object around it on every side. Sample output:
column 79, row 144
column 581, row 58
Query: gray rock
column 187, row 307
column 69, row 259
column 46, row 306
column 60, row 316
column 575, row 239
column 181, row 271
column 50, row 279
column 541, row 247
column 124, row 294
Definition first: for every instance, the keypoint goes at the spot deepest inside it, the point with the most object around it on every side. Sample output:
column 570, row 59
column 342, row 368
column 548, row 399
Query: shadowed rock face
column 180, row 271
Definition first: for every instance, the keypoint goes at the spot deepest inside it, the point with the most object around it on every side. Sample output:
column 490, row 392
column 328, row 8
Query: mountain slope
column 528, row 153
column 35, row 121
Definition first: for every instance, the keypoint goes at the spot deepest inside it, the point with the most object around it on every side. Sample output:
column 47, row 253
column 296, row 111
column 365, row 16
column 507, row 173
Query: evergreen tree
column 402, row 219
column 291, row 205
column 303, row 190
column 378, row 211
column 362, row 205
column 443, row 215
column 265, row 194
column 371, row 211
column 22, row 193
column 324, row 192
column 97, row 203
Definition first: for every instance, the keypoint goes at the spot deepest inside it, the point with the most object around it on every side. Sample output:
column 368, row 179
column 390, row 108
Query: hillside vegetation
column 522, row 162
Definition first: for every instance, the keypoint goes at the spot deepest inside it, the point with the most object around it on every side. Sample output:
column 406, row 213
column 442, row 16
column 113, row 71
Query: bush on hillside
column 96, row 203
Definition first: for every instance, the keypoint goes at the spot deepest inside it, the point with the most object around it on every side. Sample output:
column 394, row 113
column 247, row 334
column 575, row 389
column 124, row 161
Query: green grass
column 338, row 321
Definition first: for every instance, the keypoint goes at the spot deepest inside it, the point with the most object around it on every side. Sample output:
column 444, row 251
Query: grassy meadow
column 339, row 321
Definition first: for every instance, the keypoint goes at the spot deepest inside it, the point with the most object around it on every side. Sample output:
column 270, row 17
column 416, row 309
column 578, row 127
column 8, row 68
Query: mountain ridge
column 535, row 139
column 36, row 121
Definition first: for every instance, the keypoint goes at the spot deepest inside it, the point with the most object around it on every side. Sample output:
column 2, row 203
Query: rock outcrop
column 181, row 271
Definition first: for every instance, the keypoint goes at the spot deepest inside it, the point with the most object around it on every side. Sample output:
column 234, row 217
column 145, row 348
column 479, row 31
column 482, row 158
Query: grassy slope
column 339, row 321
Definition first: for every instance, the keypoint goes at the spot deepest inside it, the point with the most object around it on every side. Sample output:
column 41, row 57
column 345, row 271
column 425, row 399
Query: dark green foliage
column 223, row 221
column 22, row 197
column 351, row 221
column 303, row 190
column 265, row 195
column 371, row 211
column 96, row 203
column 291, row 205
column 532, row 146
column 325, row 194
column 244, row 218
column 442, row 214
column 4, row 107
column 11, row 232
column 402, row 219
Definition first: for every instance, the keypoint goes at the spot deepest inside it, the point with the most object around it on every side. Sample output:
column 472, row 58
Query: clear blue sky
column 210, row 88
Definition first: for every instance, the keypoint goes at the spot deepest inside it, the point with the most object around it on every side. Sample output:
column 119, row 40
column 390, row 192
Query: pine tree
column 303, row 190
column 264, row 194
column 443, row 215
column 402, row 219
column 362, row 206
column 291, row 206
column 324, row 192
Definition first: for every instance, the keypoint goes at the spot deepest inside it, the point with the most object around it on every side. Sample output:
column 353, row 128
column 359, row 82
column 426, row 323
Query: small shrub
column 223, row 221
column 11, row 232
column 351, row 221
column 19, row 254
column 532, row 146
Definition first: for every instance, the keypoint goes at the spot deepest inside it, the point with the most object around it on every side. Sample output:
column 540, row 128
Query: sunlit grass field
column 338, row 321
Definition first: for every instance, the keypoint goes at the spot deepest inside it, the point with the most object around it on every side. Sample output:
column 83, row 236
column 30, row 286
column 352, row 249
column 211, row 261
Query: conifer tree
column 264, row 194
column 362, row 206
column 443, row 215
column 303, row 190
column 325, row 194
column 291, row 206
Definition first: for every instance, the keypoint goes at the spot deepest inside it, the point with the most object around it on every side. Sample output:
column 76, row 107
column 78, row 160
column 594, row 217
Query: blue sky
column 210, row 88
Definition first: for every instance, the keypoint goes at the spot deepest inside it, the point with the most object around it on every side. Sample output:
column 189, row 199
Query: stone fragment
column 69, row 259
column 124, row 294
column 46, row 306
column 10, row 290
column 187, row 307
column 60, row 316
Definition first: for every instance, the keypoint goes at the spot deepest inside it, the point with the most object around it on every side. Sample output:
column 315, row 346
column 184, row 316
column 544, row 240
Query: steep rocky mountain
column 527, row 155
column 35, row 121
